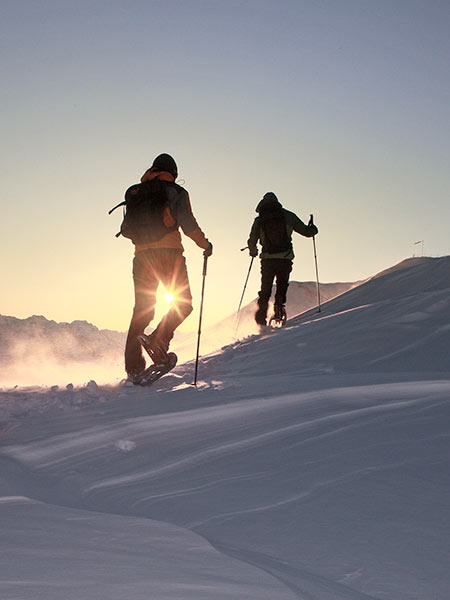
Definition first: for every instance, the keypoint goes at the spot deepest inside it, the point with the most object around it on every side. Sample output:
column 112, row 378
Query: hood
column 269, row 203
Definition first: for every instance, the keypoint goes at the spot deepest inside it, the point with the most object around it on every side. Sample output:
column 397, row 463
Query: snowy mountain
column 311, row 462
column 38, row 350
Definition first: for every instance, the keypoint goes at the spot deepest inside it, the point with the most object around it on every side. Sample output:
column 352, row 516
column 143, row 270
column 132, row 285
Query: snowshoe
column 155, row 346
column 156, row 371
column 279, row 317
column 134, row 377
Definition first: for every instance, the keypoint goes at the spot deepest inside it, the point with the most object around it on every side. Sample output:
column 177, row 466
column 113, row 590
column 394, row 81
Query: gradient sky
column 342, row 108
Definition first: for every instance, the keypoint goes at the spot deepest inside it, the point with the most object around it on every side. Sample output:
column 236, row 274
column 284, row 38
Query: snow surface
column 38, row 351
column 311, row 463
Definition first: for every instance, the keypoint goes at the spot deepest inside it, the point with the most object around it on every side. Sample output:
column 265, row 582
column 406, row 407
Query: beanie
column 164, row 162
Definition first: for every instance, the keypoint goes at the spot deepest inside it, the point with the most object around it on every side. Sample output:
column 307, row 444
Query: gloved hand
column 209, row 250
column 253, row 252
column 312, row 227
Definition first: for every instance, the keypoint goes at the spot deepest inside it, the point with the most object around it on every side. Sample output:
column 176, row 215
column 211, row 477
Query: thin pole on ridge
column 205, row 264
column 311, row 222
column 243, row 292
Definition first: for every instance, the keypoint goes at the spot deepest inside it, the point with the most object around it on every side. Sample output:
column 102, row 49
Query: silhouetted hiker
column 155, row 209
column 273, row 229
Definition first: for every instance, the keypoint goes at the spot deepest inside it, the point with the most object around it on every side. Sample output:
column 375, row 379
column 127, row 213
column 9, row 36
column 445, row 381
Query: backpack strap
column 117, row 206
column 113, row 209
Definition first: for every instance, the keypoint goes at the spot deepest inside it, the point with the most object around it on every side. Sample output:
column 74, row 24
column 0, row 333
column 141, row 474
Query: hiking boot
column 279, row 312
column 134, row 376
column 261, row 316
column 279, row 316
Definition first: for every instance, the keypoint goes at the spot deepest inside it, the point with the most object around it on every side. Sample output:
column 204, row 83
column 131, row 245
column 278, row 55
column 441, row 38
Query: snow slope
column 309, row 463
column 39, row 351
column 300, row 297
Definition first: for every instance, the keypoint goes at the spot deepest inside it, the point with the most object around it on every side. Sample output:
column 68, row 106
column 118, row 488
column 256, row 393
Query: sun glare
column 169, row 297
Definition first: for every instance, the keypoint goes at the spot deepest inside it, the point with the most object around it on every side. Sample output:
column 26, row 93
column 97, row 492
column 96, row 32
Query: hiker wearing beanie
column 273, row 228
column 155, row 210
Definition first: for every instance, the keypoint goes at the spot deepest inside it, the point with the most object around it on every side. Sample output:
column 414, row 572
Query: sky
column 340, row 108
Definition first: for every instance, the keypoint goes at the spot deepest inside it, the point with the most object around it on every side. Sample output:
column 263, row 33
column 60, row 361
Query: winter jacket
column 293, row 223
column 178, row 212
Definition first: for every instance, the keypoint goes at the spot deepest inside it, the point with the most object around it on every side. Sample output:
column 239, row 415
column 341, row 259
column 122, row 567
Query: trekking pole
column 205, row 262
column 311, row 222
column 243, row 292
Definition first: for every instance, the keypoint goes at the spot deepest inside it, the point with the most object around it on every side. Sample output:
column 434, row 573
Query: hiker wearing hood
column 155, row 209
column 273, row 229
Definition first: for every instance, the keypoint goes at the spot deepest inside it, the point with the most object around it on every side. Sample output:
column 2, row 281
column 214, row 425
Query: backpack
column 273, row 227
column 144, row 205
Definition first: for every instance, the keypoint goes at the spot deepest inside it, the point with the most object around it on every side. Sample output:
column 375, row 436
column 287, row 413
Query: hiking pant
column 150, row 267
column 271, row 268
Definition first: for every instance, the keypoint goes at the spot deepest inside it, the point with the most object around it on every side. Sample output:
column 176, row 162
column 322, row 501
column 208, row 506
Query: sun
column 169, row 297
